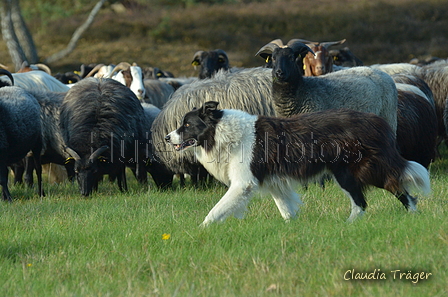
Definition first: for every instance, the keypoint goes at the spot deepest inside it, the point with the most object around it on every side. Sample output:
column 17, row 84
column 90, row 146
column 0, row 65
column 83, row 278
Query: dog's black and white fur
column 249, row 152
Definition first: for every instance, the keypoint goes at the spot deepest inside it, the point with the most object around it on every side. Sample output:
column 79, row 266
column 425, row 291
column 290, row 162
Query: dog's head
column 197, row 128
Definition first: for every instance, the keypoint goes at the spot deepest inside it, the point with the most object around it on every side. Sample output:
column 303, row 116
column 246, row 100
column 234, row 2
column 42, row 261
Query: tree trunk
column 23, row 34
column 9, row 36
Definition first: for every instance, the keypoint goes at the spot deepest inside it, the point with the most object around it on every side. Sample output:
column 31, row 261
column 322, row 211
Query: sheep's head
column 344, row 57
column 321, row 62
column 286, row 60
column 210, row 62
column 131, row 76
column 88, row 168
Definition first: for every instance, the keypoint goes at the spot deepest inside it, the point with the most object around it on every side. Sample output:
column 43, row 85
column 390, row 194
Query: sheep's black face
column 87, row 175
column 284, row 65
column 211, row 62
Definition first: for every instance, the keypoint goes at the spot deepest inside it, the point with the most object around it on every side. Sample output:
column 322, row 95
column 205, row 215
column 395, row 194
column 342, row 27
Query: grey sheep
column 20, row 133
column 359, row 88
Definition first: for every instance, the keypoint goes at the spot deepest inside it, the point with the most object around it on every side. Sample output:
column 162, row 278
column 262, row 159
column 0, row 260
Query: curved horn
column 302, row 41
column 299, row 48
column 196, row 58
column 43, row 67
column 73, row 154
column 94, row 70
column 98, row 153
column 331, row 43
column 267, row 49
column 7, row 73
column 120, row 66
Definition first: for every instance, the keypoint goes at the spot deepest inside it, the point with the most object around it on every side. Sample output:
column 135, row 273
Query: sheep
column 99, row 71
column 157, row 91
column 318, row 62
column 38, row 80
column 39, row 66
column 417, row 125
column 161, row 175
column 68, row 77
column 248, row 90
column 359, row 88
column 345, row 58
column 101, row 123
column 155, row 73
column 130, row 76
column 210, row 62
column 53, row 148
column 20, row 133
column 436, row 76
column 177, row 82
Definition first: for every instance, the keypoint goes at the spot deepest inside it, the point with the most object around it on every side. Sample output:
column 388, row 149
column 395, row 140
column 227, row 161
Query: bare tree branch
column 9, row 35
column 76, row 36
column 23, row 34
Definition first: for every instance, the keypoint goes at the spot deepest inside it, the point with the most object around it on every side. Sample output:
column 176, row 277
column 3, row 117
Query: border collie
column 249, row 152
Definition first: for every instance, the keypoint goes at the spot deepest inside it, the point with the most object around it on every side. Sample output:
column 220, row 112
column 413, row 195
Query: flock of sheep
column 105, row 118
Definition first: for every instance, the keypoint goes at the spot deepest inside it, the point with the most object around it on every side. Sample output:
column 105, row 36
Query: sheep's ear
column 209, row 106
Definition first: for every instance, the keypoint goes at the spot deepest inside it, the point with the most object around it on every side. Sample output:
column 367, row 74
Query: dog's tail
column 415, row 178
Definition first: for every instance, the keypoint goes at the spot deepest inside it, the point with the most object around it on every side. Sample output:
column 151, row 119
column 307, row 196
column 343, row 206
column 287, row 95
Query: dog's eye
column 186, row 125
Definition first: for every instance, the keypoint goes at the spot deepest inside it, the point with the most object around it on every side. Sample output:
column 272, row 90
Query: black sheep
column 101, row 122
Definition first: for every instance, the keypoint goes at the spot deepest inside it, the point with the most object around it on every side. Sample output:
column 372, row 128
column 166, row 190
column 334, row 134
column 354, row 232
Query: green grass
column 115, row 244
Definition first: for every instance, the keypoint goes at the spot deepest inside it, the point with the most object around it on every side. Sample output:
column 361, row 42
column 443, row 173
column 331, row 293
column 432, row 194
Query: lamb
column 360, row 88
column 101, row 122
column 248, row 90
column 20, row 133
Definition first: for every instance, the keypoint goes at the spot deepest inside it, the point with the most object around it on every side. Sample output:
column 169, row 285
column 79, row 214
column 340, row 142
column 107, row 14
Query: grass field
column 147, row 243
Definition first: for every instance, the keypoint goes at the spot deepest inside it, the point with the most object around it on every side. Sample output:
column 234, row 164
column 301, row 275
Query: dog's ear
column 209, row 106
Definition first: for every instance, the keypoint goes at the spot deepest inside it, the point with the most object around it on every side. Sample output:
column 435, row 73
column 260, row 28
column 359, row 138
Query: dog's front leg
column 233, row 202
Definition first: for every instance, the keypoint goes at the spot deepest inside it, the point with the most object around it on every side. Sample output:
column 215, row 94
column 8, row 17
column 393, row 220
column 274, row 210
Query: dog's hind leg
column 234, row 202
column 353, row 190
column 408, row 201
column 287, row 200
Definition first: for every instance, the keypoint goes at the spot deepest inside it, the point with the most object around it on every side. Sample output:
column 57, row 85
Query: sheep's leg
column 4, row 183
column 353, row 190
column 38, row 167
column 29, row 169
column 287, row 200
column 233, row 202
column 121, row 179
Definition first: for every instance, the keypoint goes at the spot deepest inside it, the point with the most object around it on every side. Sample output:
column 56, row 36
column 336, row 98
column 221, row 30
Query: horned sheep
column 359, row 88
column 101, row 122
